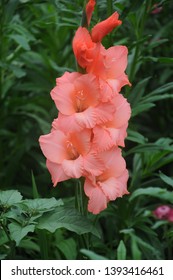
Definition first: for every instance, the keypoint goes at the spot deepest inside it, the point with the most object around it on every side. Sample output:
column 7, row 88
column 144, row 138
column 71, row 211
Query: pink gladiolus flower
column 109, row 185
column 80, row 102
column 101, row 29
column 89, row 10
column 92, row 117
column 69, row 155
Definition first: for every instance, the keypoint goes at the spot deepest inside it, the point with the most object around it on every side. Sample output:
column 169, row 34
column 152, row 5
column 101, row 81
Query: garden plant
column 86, row 139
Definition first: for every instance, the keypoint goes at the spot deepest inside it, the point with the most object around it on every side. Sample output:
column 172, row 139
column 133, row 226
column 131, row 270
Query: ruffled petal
column 93, row 164
column 87, row 118
column 67, row 77
column 105, row 138
column 97, row 200
column 106, row 91
column 104, row 112
column 63, row 98
column 57, row 172
column 122, row 113
column 118, row 83
column 110, row 187
column 113, row 160
column 66, row 123
column 73, row 168
column 52, row 146
column 81, row 141
column 83, row 47
column 116, row 61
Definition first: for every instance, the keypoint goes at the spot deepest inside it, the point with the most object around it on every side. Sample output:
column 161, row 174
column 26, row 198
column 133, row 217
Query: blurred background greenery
column 35, row 48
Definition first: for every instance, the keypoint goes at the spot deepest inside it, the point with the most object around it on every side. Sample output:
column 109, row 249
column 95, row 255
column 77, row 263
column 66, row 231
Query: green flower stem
column 84, row 22
column 43, row 244
column 81, row 206
column 11, row 242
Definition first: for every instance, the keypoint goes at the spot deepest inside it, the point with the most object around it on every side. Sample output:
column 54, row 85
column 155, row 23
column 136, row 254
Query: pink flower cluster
column 164, row 212
column 93, row 117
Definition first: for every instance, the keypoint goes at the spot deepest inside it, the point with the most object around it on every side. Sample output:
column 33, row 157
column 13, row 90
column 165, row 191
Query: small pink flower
column 170, row 215
column 156, row 9
column 162, row 212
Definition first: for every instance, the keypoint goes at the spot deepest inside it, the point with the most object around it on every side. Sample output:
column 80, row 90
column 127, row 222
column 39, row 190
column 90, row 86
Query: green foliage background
column 36, row 48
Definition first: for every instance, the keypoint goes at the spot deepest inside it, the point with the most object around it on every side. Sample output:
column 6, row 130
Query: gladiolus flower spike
column 93, row 117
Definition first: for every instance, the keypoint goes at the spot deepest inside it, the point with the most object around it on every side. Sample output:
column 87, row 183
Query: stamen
column 80, row 98
column 73, row 153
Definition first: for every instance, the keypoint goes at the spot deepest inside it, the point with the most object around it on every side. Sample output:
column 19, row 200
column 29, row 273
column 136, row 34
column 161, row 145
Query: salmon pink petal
column 93, row 164
column 57, row 172
column 66, row 123
column 122, row 113
column 87, row 118
column 67, row 77
column 116, row 61
column 104, row 138
column 81, row 141
column 123, row 179
column 73, row 168
column 104, row 27
column 83, row 47
column 104, row 112
column 111, row 188
column 62, row 96
column 114, row 160
column 122, row 135
column 87, row 91
column 106, row 91
column 89, row 10
column 118, row 83
column 53, row 147
column 97, row 199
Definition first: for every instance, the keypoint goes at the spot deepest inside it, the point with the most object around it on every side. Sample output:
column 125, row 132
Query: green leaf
column 3, row 256
column 34, row 187
column 66, row 217
column 21, row 40
column 17, row 232
column 166, row 179
column 136, row 253
column 159, row 223
column 9, row 198
column 136, row 137
column 141, row 108
column 121, row 251
column 42, row 204
column 159, row 193
column 164, row 88
column 68, row 248
column 91, row 255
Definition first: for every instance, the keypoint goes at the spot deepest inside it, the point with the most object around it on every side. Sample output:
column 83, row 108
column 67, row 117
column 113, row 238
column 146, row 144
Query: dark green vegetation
column 35, row 48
